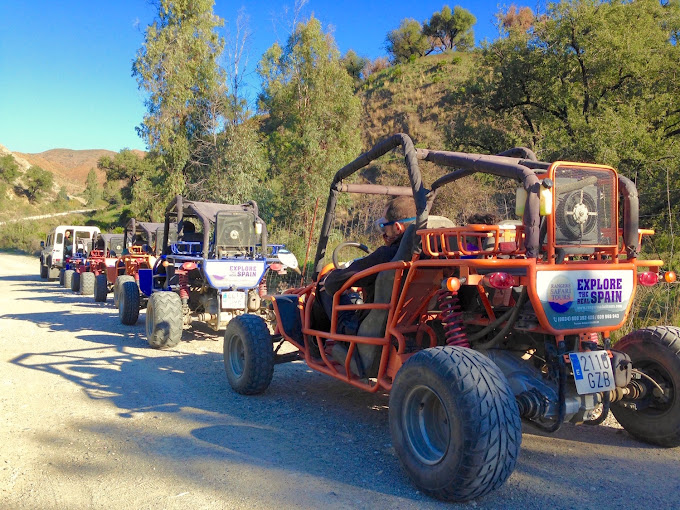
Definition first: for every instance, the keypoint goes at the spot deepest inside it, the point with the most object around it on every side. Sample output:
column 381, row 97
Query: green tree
column 9, row 170
column 62, row 196
column 592, row 80
column 406, row 40
column 177, row 67
column 313, row 115
column 354, row 64
column 589, row 81
column 128, row 167
column 241, row 169
column 111, row 193
column 447, row 30
column 37, row 182
column 93, row 192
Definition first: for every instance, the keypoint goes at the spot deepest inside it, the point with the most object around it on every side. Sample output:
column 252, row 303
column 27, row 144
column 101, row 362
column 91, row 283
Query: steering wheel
column 339, row 247
column 158, row 262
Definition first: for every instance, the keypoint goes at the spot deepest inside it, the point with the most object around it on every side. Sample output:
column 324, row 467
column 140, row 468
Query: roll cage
column 519, row 164
column 214, row 219
column 147, row 228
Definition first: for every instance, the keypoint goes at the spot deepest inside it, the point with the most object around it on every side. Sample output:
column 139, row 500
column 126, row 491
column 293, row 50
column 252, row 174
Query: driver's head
column 188, row 227
column 399, row 212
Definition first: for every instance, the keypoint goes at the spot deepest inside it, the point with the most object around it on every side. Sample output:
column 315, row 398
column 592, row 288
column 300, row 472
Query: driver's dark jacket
column 338, row 277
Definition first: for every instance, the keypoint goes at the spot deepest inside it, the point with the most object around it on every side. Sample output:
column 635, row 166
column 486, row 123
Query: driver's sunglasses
column 382, row 222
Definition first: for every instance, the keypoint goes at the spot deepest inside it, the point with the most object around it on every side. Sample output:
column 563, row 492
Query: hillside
column 414, row 98
column 70, row 167
column 420, row 98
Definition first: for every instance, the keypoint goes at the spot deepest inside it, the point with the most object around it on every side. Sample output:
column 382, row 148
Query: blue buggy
column 213, row 272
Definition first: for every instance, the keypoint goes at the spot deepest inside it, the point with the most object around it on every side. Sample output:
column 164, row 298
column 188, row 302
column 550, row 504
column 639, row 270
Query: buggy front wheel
column 118, row 285
column 101, row 287
column 128, row 302
column 87, row 281
column 68, row 278
column 75, row 282
column 248, row 354
column 164, row 319
column 454, row 422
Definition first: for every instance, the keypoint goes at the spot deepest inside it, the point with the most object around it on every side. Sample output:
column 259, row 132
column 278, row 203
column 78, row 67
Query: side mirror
column 287, row 258
column 42, row 244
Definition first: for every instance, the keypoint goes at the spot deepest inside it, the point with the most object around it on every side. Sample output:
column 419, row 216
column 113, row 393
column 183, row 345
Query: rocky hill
column 69, row 166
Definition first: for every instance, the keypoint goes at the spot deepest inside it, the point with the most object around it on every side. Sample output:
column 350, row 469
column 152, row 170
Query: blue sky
column 65, row 66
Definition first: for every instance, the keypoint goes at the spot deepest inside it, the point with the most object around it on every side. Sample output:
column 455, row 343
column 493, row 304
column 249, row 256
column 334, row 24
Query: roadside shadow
column 66, row 320
column 300, row 409
column 87, row 301
column 25, row 278
column 262, row 430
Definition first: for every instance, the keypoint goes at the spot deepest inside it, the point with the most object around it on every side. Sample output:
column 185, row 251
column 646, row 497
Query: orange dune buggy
column 99, row 257
column 139, row 252
column 474, row 327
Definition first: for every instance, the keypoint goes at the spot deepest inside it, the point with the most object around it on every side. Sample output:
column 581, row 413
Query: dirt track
column 90, row 417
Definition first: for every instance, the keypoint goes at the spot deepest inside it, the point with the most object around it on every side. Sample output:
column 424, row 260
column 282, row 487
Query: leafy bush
column 9, row 170
column 38, row 181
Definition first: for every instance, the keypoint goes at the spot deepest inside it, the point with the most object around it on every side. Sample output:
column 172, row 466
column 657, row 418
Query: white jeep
column 63, row 242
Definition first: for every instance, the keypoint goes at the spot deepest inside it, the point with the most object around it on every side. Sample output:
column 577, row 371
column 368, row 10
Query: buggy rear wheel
column 248, row 355
column 87, row 284
column 75, row 282
column 164, row 319
column 118, row 285
column 68, row 278
column 128, row 302
column 101, row 288
column 454, row 422
column 655, row 416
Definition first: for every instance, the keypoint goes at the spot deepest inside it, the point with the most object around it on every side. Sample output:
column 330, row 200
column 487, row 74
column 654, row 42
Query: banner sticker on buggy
column 239, row 274
column 584, row 299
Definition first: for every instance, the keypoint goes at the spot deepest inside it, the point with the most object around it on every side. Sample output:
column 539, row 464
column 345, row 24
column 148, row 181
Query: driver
column 399, row 212
column 189, row 233
column 68, row 244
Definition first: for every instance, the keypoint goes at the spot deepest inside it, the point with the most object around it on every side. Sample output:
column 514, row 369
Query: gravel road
column 90, row 417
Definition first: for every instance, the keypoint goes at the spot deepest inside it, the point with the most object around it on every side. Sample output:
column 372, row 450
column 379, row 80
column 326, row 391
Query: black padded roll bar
column 519, row 163
column 503, row 166
column 381, row 148
column 631, row 216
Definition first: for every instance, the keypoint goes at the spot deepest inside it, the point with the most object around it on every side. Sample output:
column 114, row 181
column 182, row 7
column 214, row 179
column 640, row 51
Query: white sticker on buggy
column 584, row 299
column 238, row 274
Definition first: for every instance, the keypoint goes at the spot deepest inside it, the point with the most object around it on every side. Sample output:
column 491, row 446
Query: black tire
column 164, row 319
column 87, row 284
column 75, row 282
column 654, row 351
column 248, row 354
column 101, row 288
column 43, row 270
column 128, row 302
column 117, row 285
column 454, row 422
column 68, row 278
column 61, row 277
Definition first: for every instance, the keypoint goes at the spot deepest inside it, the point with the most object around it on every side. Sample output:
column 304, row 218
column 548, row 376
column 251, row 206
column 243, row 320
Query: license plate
column 592, row 371
column 233, row 300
